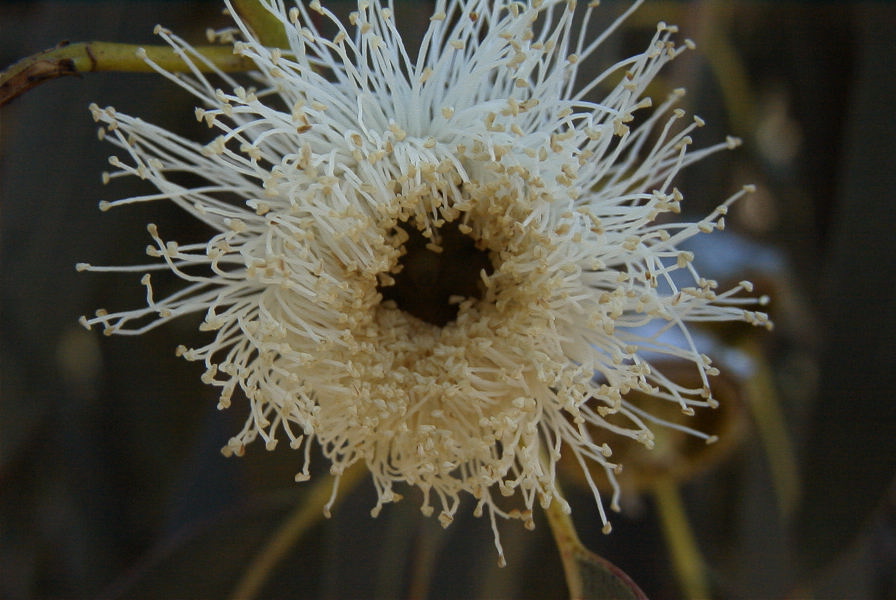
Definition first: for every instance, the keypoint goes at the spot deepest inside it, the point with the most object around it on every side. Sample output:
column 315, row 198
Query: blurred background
column 111, row 480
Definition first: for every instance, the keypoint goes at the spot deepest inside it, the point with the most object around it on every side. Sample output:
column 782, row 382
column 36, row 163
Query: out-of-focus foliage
column 110, row 476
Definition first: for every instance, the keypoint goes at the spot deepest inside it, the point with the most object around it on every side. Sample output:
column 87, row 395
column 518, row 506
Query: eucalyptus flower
column 448, row 263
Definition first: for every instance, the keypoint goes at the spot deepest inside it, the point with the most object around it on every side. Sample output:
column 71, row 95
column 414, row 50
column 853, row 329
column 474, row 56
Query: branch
column 87, row 57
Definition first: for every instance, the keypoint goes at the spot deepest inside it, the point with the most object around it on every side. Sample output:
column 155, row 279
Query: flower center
column 431, row 284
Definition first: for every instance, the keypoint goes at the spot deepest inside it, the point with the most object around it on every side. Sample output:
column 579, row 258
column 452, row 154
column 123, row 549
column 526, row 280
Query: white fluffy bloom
column 359, row 183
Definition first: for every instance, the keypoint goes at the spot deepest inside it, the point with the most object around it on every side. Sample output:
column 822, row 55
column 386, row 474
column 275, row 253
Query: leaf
column 850, row 462
column 207, row 559
column 264, row 24
column 601, row 579
column 239, row 553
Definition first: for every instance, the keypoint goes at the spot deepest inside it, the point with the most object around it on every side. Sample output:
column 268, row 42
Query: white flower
column 473, row 186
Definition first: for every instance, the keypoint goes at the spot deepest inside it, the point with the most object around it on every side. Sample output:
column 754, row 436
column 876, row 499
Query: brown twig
column 86, row 57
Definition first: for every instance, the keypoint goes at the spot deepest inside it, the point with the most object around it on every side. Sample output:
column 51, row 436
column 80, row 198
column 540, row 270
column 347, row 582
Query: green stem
column 305, row 515
column 568, row 544
column 588, row 576
column 686, row 558
column 772, row 426
column 87, row 57
column 728, row 67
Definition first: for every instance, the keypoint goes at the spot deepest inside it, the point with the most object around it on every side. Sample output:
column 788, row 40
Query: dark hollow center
column 429, row 281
